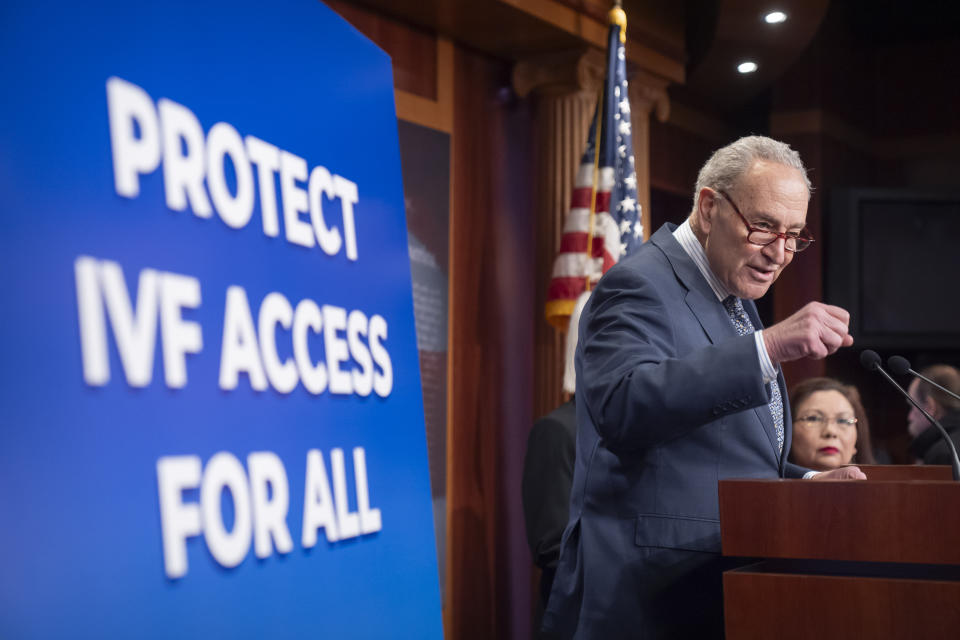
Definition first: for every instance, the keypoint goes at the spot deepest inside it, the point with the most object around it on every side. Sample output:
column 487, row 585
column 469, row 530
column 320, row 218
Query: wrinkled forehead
column 773, row 193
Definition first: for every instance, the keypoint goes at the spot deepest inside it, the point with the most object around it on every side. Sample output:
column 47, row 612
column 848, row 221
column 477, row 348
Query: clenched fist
column 815, row 331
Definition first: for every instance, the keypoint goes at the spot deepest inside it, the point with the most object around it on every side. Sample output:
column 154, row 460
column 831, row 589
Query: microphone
column 901, row 366
column 871, row 362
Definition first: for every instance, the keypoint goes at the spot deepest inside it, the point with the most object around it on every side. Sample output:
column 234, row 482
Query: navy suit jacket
column 670, row 400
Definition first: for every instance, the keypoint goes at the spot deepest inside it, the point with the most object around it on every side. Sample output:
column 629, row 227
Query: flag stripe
column 581, row 199
column 577, row 243
column 615, row 221
column 577, row 265
column 566, row 288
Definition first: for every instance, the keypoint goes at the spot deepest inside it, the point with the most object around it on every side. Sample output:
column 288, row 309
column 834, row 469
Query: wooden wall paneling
column 470, row 588
column 413, row 51
column 675, row 158
column 514, row 230
column 680, row 145
column 438, row 113
column 422, row 66
column 594, row 32
column 491, row 309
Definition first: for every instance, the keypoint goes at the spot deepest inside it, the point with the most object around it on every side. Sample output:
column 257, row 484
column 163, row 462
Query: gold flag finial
column 619, row 18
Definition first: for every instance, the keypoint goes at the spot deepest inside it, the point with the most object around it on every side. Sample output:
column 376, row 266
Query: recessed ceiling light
column 747, row 67
column 775, row 17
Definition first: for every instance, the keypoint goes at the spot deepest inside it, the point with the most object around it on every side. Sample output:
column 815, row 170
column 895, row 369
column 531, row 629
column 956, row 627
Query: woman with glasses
column 830, row 427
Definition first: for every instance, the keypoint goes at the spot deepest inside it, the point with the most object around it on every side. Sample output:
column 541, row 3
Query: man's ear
column 930, row 406
column 706, row 208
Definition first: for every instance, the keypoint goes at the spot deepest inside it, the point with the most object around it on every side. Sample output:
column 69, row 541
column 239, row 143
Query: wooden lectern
column 869, row 559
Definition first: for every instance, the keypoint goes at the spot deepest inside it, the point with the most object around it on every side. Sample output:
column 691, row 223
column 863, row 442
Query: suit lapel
column 711, row 316
column 703, row 304
column 700, row 298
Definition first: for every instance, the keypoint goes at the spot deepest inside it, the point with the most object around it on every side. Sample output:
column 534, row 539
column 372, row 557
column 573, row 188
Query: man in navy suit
column 678, row 387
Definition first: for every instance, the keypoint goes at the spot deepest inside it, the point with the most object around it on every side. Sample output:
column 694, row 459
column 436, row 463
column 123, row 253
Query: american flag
column 614, row 228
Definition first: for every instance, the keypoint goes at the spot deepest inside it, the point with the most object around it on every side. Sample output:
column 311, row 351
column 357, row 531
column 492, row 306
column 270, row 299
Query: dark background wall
column 872, row 102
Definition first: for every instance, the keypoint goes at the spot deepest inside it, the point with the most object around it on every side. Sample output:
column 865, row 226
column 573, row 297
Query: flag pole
column 594, row 185
column 617, row 16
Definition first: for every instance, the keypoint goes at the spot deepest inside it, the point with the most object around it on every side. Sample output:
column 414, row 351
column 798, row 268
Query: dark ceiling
column 707, row 38
column 894, row 23
column 719, row 33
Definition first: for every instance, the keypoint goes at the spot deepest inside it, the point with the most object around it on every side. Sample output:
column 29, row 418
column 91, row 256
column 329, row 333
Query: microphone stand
column 955, row 462
column 900, row 365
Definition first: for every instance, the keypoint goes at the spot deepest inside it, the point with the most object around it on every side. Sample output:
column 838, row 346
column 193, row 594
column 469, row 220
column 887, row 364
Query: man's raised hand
column 815, row 331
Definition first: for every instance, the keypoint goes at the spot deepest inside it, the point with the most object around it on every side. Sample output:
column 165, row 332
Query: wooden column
column 564, row 88
column 491, row 355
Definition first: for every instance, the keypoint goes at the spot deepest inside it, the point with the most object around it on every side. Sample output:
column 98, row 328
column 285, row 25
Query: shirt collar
column 692, row 247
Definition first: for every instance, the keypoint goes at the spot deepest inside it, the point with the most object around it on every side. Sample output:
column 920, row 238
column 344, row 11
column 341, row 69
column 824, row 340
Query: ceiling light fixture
column 775, row 17
column 747, row 67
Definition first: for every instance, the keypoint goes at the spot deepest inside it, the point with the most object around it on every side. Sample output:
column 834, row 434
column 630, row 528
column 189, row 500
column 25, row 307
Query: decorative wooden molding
column 435, row 114
column 559, row 74
column 594, row 32
column 820, row 122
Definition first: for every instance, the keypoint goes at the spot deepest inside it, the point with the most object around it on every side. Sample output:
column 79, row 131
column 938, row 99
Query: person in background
column 830, row 427
column 927, row 446
column 548, row 470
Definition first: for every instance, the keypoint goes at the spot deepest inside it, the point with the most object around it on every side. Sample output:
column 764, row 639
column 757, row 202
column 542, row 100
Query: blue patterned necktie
column 741, row 322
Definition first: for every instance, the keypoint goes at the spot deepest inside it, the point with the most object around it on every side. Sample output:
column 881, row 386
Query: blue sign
column 211, row 419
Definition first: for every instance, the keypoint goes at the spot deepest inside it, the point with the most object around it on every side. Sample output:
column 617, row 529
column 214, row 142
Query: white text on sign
column 348, row 337
column 261, row 500
column 144, row 135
